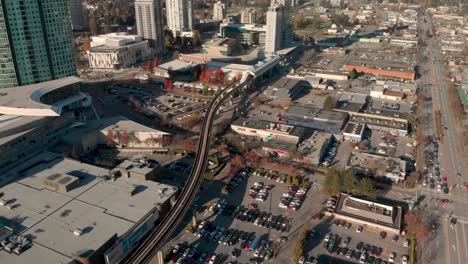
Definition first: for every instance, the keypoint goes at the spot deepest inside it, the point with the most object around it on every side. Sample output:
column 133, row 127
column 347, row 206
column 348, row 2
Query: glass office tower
column 36, row 42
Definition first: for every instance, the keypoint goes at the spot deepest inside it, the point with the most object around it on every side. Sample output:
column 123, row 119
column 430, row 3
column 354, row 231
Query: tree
column 222, row 150
column 189, row 144
column 110, row 138
column 350, row 181
column 317, row 23
column 352, row 74
column 329, row 103
column 237, row 162
column 366, row 188
column 219, row 74
column 299, row 21
column 196, row 38
column 252, row 157
column 333, row 182
column 205, row 91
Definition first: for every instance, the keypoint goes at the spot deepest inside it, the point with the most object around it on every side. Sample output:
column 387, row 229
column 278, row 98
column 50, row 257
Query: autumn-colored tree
column 189, row 145
column 252, row 157
column 166, row 140
column 416, row 224
column 110, row 138
column 219, row 74
column 168, row 84
column 237, row 162
column 222, row 149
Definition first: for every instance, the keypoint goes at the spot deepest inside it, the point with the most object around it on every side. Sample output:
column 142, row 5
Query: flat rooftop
column 353, row 128
column 313, row 145
column 311, row 113
column 370, row 211
column 101, row 208
column 383, row 122
column 378, row 165
column 260, row 124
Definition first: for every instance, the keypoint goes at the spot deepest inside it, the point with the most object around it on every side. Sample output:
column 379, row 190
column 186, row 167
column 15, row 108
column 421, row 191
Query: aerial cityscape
column 233, row 131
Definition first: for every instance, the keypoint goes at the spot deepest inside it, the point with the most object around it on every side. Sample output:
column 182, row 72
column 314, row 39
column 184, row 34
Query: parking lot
column 349, row 244
column 240, row 219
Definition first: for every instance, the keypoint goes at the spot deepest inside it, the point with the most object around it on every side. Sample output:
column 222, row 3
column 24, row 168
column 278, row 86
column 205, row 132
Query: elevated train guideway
column 145, row 251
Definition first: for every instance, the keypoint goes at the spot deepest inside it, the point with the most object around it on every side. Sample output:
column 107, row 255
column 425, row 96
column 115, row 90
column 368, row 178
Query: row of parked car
column 259, row 191
column 270, row 175
column 235, row 181
column 293, row 198
column 330, row 153
column 221, row 235
column 263, row 219
column 184, row 254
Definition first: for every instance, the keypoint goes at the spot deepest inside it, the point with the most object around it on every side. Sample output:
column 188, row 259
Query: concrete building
column 381, row 123
column 118, row 51
column 36, row 42
column 34, row 117
column 377, row 216
column 274, row 31
column 138, row 169
column 219, row 10
column 119, row 131
column 386, row 94
column 74, row 212
column 287, row 30
column 150, row 22
column 353, row 132
column 179, row 15
column 250, row 34
column 222, row 46
column 78, row 16
column 316, row 118
column 266, row 130
column 248, row 16
column 366, row 164
column 286, row 89
column 314, row 147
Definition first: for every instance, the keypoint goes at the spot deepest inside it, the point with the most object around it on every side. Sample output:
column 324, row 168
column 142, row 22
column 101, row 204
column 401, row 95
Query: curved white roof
column 25, row 100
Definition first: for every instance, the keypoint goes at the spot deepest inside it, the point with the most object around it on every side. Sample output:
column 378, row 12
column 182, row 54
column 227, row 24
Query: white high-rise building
column 78, row 16
column 286, row 37
column 249, row 16
column 179, row 16
column 274, row 32
column 150, row 23
column 219, row 11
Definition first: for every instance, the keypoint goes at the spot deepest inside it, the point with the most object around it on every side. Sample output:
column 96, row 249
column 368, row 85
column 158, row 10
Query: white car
column 359, row 229
column 406, row 243
column 391, row 257
column 327, row 237
column 404, row 260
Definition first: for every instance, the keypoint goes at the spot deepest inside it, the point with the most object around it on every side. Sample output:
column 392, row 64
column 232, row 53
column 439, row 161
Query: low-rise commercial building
column 266, row 130
column 117, row 51
column 383, row 93
column 316, row 118
column 384, row 124
column 140, row 169
column 314, row 147
column 224, row 46
column 379, row 216
column 366, row 164
column 286, row 89
column 353, row 132
column 75, row 212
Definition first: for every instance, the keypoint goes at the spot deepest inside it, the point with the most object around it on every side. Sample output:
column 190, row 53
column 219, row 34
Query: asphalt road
column 434, row 82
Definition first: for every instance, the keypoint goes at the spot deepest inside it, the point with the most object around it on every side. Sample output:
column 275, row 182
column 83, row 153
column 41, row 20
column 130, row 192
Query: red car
column 444, row 201
column 317, row 216
column 252, row 206
column 444, row 179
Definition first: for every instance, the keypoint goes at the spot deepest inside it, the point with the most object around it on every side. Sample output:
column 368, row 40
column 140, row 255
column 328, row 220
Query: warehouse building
column 315, row 118
column 367, row 164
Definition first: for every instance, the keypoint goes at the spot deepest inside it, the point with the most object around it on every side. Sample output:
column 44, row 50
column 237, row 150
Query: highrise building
column 219, row 11
column 36, row 42
column 179, row 16
column 78, row 16
column 274, row 32
column 150, row 23
column 249, row 16
column 286, row 37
